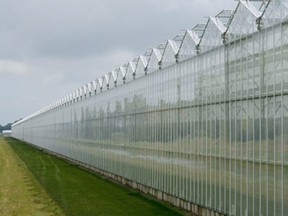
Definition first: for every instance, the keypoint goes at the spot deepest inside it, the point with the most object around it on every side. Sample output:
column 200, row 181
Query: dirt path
column 20, row 193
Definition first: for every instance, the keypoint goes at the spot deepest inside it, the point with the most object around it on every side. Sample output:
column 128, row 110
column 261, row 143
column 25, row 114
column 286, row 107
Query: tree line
column 6, row 127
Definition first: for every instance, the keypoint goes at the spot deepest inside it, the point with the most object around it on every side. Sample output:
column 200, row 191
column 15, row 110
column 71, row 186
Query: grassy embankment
column 79, row 192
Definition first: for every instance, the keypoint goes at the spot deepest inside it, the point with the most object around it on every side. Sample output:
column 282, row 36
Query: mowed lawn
column 62, row 188
column 20, row 193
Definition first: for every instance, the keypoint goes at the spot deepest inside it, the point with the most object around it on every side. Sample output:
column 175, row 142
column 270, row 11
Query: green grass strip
column 20, row 193
column 79, row 192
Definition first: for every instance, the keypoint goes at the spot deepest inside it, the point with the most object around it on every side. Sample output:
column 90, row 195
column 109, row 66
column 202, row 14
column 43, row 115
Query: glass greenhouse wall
column 203, row 117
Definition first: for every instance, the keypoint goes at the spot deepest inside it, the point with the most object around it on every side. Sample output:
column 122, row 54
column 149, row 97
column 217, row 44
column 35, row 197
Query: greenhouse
column 202, row 117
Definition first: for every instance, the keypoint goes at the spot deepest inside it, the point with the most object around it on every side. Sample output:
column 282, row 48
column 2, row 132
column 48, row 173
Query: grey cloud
column 74, row 29
column 49, row 48
column 13, row 67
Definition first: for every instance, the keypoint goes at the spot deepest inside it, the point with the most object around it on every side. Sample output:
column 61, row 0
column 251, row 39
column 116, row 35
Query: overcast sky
column 48, row 48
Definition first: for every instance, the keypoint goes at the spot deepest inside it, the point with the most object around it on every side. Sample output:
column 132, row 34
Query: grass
column 20, row 192
column 79, row 192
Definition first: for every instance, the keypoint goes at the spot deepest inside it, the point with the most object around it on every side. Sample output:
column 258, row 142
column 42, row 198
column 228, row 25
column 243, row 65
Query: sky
column 48, row 48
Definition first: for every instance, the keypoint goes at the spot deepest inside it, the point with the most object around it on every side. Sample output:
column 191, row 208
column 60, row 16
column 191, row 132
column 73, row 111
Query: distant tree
column 6, row 127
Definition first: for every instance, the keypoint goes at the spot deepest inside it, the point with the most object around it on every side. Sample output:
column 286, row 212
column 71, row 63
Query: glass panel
column 188, row 46
column 141, row 66
column 153, row 62
column 212, row 34
column 169, row 53
column 275, row 12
